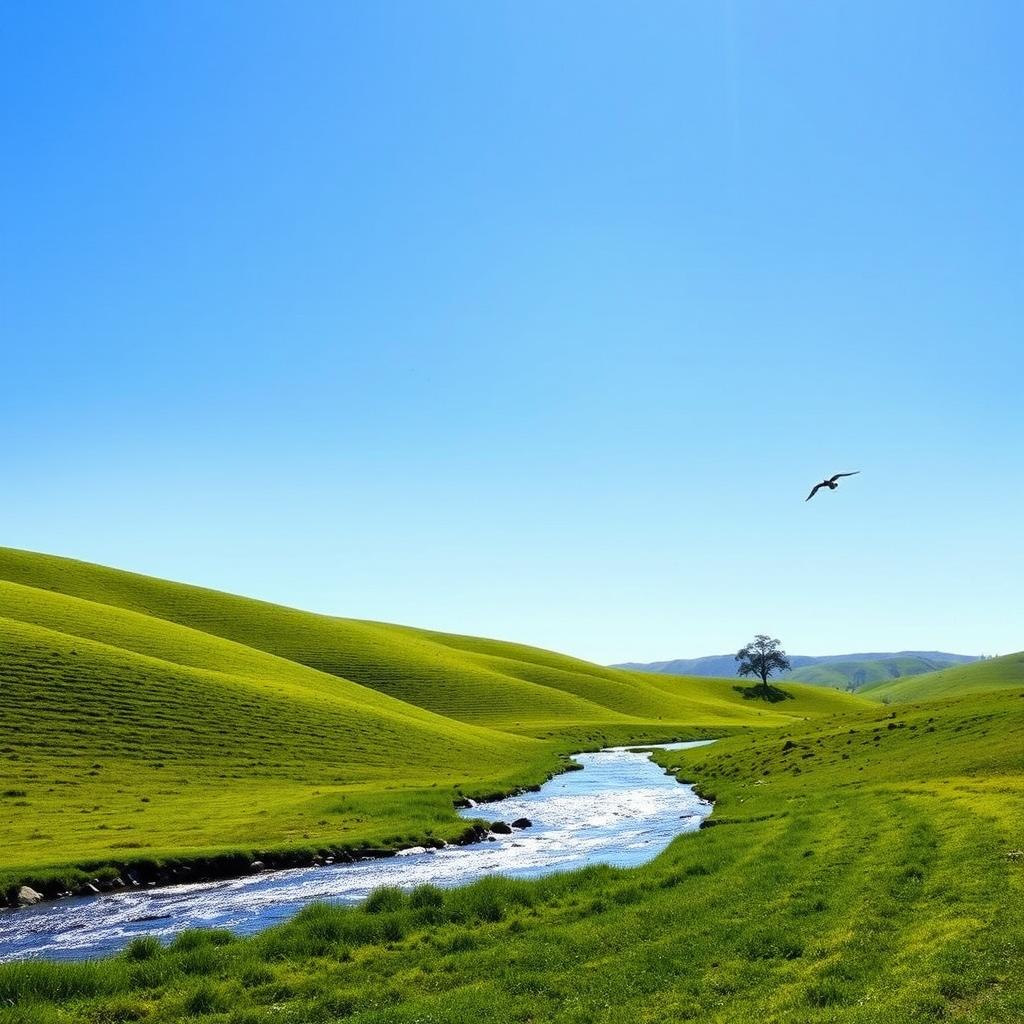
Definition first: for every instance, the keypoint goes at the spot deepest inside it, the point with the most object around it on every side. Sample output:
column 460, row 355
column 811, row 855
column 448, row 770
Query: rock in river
column 27, row 897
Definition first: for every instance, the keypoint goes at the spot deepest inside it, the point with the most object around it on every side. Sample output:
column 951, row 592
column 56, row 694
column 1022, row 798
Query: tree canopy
column 761, row 657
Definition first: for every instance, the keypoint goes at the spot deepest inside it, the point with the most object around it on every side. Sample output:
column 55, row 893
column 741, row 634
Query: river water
column 622, row 810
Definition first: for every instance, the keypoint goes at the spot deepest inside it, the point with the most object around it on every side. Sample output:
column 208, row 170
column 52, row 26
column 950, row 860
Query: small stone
column 27, row 896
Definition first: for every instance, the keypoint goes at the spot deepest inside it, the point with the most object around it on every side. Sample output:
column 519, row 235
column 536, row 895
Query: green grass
column 864, row 862
column 485, row 682
column 142, row 720
column 862, row 867
column 990, row 674
column 859, row 674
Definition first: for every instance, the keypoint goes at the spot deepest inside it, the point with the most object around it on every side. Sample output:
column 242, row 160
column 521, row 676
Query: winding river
column 622, row 810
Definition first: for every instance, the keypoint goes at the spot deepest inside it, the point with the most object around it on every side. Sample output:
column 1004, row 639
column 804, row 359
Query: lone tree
column 761, row 657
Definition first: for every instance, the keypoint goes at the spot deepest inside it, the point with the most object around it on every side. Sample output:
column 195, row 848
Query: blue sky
column 526, row 320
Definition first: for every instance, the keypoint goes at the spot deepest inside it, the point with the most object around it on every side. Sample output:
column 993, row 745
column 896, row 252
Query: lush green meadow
column 864, row 861
column 147, row 723
column 991, row 674
column 864, row 867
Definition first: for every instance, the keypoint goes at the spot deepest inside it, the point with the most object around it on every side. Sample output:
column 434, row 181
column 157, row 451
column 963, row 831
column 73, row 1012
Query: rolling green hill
column 859, row 673
column 143, row 719
column 862, row 862
column 859, row 868
column 990, row 674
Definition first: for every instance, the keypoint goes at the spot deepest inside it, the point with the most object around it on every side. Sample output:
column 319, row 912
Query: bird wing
column 838, row 475
column 814, row 491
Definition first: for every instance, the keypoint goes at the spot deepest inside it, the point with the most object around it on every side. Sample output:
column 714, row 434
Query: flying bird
column 830, row 483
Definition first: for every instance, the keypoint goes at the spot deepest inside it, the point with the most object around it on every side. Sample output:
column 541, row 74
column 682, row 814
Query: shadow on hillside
column 771, row 694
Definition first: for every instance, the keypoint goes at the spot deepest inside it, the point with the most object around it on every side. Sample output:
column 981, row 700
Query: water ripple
column 620, row 810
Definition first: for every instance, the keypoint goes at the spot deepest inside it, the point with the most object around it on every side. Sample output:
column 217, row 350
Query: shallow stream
column 621, row 809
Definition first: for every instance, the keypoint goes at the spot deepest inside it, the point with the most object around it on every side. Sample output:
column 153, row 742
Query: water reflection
column 622, row 809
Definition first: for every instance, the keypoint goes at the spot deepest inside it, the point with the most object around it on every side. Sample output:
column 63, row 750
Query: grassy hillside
column 108, row 754
column 860, row 868
column 856, row 674
column 143, row 719
column 798, row 701
column 486, row 682
column 991, row 674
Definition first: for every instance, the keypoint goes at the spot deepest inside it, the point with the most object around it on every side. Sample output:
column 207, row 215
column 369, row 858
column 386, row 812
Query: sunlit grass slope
column 108, row 754
column 861, row 868
column 799, row 701
column 486, row 682
column 991, row 674
column 857, row 674
column 147, row 719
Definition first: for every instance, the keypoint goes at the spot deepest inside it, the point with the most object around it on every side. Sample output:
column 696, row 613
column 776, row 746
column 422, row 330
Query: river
column 621, row 809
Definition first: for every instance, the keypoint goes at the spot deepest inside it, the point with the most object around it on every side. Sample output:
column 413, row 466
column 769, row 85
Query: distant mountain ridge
column 840, row 671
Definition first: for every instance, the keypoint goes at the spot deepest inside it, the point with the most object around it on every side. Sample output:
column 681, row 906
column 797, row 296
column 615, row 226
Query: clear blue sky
column 527, row 320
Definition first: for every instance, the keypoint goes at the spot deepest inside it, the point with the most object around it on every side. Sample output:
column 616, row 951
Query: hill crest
column 840, row 671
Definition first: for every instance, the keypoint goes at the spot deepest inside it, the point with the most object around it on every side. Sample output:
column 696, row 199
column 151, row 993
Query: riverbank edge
column 95, row 877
